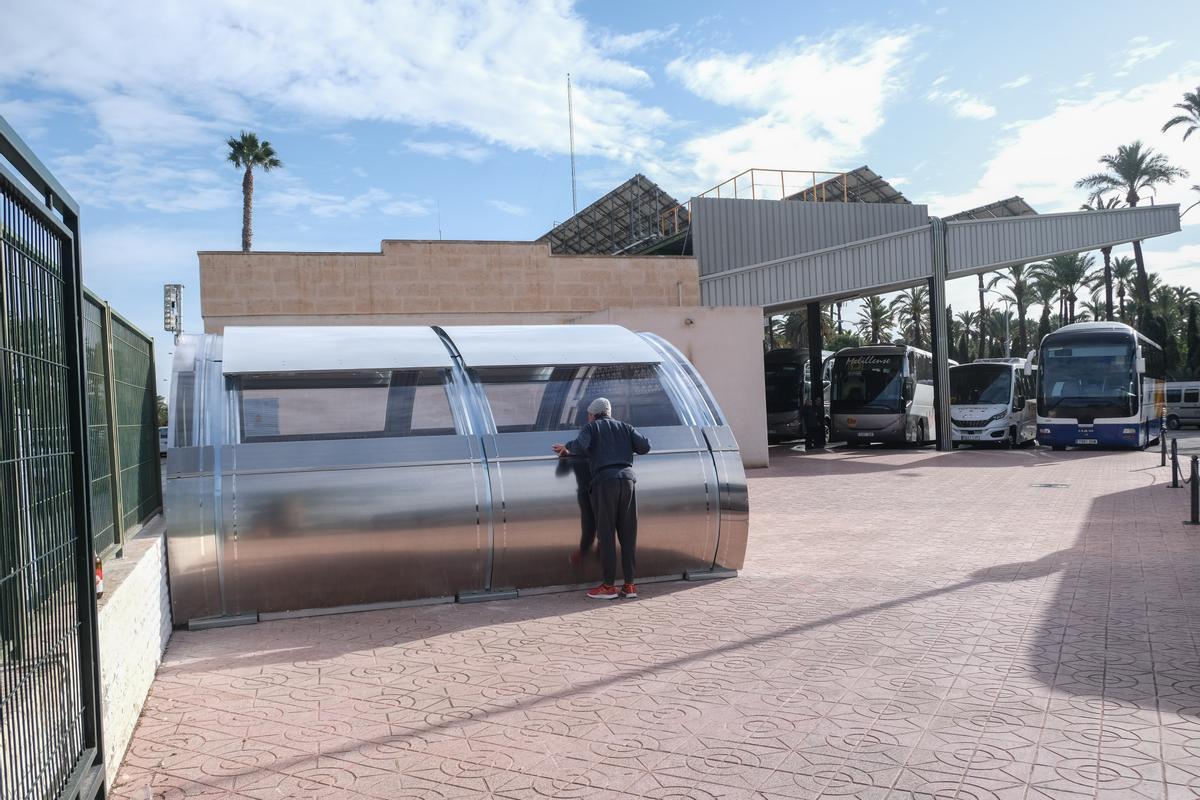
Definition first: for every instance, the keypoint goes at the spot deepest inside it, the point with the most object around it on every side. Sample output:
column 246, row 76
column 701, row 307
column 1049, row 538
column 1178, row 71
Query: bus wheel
column 1173, row 423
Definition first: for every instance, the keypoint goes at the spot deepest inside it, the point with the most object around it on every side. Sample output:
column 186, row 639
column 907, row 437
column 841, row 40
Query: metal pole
column 940, row 336
column 1162, row 441
column 1195, row 520
column 815, row 346
column 1174, row 463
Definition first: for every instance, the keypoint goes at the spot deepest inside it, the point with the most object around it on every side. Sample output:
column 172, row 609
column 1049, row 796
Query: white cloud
column 508, row 208
column 1017, row 83
column 629, row 42
column 810, row 104
column 109, row 177
column 293, row 195
column 467, row 151
column 1040, row 159
column 962, row 104
column 359, row 172
column 341, row 137
column 1140, row 49
column 160, row 77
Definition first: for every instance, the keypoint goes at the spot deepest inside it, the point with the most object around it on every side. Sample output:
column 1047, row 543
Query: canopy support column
column 815, row 345
column 939, row 336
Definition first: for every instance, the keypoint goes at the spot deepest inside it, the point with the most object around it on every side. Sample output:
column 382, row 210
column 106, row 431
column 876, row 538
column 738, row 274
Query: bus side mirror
column 1140, row 366
column 1029, row 362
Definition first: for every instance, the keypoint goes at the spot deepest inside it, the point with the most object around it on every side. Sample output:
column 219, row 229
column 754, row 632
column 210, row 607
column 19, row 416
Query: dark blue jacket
column 609, row 445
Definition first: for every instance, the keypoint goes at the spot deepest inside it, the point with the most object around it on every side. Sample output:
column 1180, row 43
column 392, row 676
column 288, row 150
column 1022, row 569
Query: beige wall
column 434, row 277
column 725, row 344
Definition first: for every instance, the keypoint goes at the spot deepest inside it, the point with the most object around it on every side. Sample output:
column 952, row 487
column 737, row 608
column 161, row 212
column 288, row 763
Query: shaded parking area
column 909, row 624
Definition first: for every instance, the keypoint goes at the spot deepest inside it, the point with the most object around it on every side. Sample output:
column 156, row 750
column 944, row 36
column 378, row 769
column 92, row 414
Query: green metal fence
column 122, row 424
column 50, row 728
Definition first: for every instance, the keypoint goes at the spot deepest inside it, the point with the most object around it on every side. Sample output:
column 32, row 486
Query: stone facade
column 434, row 278
column 134, row 625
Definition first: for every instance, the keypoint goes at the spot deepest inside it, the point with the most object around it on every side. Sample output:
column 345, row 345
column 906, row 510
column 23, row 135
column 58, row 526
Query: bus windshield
column 1093, row 379
column 783, row 387
column 869, row 383
column 978, row 384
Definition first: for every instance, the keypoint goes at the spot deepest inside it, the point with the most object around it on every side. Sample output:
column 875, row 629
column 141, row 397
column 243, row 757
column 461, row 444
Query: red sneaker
column 628, row 590
column 604, row 592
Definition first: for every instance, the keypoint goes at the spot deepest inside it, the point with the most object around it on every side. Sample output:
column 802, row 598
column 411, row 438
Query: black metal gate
column 49, row 672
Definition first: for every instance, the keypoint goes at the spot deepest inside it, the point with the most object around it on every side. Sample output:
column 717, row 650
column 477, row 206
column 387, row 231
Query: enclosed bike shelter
column 316, row 468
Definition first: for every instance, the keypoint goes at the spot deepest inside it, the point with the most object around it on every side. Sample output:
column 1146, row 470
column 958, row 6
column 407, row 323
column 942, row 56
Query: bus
column 1099, row 384
column 1183, row 404
column 992, row 401
column 881, row 393
column 788, row 386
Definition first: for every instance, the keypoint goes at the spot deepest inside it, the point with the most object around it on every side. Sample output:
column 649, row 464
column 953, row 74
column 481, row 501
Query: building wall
column 134, row 616
column 433, row 277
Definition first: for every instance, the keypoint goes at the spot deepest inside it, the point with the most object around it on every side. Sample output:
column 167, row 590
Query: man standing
column 610, row 445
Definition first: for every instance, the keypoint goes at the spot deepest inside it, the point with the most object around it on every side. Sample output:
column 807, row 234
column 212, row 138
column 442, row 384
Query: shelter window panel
column 530, row 399
column 345, row 405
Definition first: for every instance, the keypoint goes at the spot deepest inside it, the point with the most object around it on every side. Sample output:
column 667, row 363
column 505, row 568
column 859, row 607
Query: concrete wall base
column 134, row 625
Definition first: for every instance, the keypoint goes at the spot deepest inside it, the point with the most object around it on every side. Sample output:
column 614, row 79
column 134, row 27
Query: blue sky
column 397, row 120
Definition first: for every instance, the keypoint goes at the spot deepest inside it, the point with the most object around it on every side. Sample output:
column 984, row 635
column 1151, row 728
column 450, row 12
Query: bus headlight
column 1044, row 431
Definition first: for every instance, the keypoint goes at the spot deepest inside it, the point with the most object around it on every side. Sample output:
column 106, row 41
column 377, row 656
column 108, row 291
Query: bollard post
column 1162, row 441
column 1195, row 520
column 1174, row 463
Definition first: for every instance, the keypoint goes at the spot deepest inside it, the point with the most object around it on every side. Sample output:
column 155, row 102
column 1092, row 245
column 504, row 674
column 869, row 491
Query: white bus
column 1183, row 403
column 1099, row 383
column 881, row 393
column 992, row 401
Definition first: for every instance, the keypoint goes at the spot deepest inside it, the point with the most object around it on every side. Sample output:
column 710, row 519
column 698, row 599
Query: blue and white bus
column 1100, row 384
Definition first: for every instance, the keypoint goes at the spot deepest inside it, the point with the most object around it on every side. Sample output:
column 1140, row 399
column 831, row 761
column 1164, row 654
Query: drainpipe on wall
column 679, row 293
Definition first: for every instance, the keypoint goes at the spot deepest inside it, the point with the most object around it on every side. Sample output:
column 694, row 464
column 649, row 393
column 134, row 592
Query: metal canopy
column 540, row 345
column 903, row 258
column 321, row 348
column 1010, row 207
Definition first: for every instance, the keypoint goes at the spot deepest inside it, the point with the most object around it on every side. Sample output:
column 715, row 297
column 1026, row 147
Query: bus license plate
column 1086, row 441
column 862, row 435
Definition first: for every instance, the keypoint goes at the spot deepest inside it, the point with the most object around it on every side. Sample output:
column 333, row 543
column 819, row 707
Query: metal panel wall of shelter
column 50, row 733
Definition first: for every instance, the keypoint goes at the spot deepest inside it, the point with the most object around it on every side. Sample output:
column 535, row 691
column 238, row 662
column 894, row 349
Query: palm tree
column 1100, row 204
column 1070, row 275
column 1000, row 325
column 1123, row 270
column 874, row 319
column 247, row 152
column 966, row 321
column 1044, row 292
column 1190, row 116
column 1132, row 169
column 1019, row 281
column 912, row 306
column 1093, row 309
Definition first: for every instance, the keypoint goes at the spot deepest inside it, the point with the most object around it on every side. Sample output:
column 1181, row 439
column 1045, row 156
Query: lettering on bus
column 860, row 363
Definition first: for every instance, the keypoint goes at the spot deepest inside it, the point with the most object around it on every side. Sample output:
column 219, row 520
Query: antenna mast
column 571, row 128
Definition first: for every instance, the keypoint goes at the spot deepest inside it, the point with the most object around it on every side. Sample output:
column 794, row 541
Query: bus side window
column 1191, row 395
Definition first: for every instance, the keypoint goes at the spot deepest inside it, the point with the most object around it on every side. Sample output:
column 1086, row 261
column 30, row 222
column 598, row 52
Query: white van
column 1183, row 404
column 992, row 401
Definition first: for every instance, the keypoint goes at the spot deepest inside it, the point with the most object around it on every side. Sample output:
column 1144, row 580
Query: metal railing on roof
column 765, row 184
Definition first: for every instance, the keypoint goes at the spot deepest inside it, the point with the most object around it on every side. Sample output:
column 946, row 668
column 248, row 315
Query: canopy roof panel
column 543, row 345
column 287, row 348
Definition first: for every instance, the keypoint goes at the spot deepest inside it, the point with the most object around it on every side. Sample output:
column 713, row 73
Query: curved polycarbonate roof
column 539, row 345
column 327, row 348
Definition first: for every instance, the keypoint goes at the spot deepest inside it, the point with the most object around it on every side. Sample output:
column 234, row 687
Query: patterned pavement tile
column 964, row 634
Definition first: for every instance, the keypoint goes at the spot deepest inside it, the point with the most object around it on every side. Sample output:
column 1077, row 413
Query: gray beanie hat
column 600, row 407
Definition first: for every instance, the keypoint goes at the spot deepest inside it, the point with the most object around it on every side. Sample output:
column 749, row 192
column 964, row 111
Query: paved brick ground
column 909, row 625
